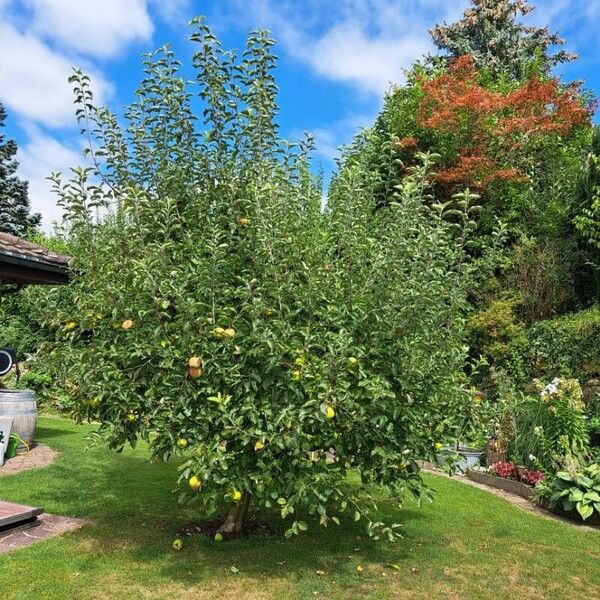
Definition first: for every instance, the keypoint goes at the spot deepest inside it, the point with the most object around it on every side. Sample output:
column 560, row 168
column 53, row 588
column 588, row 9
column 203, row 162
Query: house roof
column 24, row 262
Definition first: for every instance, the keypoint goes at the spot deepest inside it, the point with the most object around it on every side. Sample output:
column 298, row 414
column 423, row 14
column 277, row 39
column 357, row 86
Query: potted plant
column 466, row 452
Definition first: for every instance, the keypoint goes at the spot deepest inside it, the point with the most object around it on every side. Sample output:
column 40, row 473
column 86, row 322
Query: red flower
column 531, row 477
column 504, row 469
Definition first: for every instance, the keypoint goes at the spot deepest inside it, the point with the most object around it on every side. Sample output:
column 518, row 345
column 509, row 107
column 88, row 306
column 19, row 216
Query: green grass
column 467, row 544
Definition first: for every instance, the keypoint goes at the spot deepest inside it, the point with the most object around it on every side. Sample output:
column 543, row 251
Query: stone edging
column 39, row 456
column 501, row 483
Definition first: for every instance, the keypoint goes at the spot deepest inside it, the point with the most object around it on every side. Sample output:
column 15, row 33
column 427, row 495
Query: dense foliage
column 217, row 311
column 576, row 490
column 222, row 312
column 15, row 214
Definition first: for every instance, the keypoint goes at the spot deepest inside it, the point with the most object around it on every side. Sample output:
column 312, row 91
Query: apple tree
column 270, row 344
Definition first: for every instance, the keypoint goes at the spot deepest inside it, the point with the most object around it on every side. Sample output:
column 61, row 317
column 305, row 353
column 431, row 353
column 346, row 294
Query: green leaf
column 585, row 510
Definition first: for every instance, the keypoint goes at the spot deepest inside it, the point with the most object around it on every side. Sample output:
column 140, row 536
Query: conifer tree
column 15, row 213
column 491, row 32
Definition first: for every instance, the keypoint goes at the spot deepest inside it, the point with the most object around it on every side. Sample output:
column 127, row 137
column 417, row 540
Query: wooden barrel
column 21, row 406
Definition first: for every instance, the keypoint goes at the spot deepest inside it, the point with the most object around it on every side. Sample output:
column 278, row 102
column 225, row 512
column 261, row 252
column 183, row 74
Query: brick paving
column 46, row 526
column 39, row 456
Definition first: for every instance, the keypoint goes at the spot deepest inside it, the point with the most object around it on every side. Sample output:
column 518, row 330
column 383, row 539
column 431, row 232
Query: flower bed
column 502, row 483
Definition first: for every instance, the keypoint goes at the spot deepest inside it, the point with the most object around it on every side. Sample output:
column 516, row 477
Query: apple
column 219, row 333
column 236, row 495
column 296, row 375
column 244, row 221
column 194, row 373
column 94, row 402
column 218, row 537
column 130, row 417
column 195, row 483
column 182, row 443
column 329, row 413
column 259, row 445
column 195, row 362
column 230, row 332
column 352, row 361
column 177, row 544
column 438, row 445
column 127, row 324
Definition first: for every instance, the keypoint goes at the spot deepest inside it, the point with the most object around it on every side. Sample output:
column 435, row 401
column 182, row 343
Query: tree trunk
column 236, row 519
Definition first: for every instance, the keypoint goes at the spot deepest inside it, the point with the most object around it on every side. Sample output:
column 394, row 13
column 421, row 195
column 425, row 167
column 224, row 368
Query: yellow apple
column 195, row 362
column 219, row 333
column 127, row 324
column 329, row 413
column 182, row 443
column 195, row 483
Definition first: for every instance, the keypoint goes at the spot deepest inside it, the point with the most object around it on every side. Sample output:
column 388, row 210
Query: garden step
column 13, row 515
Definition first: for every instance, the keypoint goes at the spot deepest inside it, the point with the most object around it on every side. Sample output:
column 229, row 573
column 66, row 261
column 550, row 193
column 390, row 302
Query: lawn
column 467, row 544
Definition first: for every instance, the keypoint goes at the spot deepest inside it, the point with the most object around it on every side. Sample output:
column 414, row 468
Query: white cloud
column 33, row 79
column 173, row 12
column 367, row 43
column 101, row 28
column 38, row 157
column 329, row 139
column 347, row 53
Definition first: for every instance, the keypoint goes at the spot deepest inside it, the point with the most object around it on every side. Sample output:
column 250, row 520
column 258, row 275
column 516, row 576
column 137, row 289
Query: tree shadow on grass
column 44, row 432
column 143, row 512
column 135, row 515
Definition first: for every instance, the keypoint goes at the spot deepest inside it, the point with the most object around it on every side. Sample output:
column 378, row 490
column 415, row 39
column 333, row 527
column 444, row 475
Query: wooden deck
column 13, row 515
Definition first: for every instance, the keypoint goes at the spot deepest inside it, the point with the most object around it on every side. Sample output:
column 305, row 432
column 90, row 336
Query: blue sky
column 337, row 58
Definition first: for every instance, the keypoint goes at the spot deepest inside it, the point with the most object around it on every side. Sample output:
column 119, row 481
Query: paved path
column 39, row 456
column 46, row 526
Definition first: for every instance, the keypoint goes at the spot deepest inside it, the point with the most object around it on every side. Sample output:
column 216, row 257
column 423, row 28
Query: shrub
column 498, row 335
column 576, row 490
column 550, row 428
column 566, row 345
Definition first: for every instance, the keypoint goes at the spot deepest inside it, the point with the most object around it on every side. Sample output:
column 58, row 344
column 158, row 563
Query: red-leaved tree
column 482, row 132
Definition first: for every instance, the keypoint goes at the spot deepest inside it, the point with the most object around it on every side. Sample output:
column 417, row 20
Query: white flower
column 405, row 452
column 551, row 388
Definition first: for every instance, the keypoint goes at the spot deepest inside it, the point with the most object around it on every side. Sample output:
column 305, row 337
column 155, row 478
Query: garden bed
column 501, row 483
